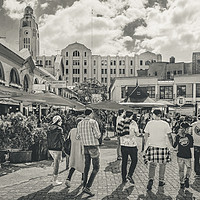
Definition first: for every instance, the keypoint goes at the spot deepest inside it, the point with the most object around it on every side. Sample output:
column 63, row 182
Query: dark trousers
column 91, row 154
column 196, row 160
column 132, row 151
column 71, row 172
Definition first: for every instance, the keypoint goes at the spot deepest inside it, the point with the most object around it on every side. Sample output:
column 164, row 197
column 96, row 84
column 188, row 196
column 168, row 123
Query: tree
column 87, row 90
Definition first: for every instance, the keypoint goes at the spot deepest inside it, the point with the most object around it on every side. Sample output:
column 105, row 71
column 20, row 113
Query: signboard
column 180, row 101
column 96, row 98
column 39, row 87
column 57, row 84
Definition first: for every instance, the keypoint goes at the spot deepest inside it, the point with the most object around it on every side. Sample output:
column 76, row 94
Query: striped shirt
column 88, row 131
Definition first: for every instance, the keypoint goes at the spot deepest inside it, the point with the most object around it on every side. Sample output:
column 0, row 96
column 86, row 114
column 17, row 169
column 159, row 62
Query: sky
column 109, row 27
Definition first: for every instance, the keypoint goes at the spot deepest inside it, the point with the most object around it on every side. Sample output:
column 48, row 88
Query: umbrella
column 143, row 105
column 167, row 103
column 108, row 105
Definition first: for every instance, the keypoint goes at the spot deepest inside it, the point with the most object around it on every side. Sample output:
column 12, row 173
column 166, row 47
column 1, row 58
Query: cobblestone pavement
column 35, row 183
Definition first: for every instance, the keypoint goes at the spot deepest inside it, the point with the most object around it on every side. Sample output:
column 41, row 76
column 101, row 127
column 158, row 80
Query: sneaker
column 56, row 183
column 187, row 185
column 124, row 181
column 182, row 186
column 87, row 191
column 131, row 179
column 150, row 183
column 67, row 183
column 161, row 183
column 119, row 158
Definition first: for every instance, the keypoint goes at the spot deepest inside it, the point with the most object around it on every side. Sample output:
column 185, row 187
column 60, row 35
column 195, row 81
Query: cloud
column 44, row 5
column 15, row 9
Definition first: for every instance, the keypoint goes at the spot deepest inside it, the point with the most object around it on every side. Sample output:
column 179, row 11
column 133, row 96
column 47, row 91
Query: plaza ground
column 32, row 181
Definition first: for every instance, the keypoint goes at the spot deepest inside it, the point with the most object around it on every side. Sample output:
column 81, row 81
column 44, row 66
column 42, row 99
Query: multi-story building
column 29, row 33
column 196, row 63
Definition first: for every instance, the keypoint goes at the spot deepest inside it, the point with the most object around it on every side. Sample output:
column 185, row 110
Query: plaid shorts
column 157, row 154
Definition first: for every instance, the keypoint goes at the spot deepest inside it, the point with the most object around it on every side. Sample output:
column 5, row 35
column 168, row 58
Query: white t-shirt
column 196, row 133
column 158, row 130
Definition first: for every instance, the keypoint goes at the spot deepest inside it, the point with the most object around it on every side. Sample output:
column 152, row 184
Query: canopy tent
column 108, row 105
column 167, row 103
column 143, row 105
column 50, row 99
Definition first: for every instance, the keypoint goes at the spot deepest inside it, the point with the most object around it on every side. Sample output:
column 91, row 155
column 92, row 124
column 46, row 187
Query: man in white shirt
column 195, row 131
column 158, row 132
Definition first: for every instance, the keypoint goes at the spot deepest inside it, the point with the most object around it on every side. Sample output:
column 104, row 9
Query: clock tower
column 29, row 33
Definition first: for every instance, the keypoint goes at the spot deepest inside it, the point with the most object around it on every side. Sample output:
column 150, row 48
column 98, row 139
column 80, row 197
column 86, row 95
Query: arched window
column 76, row 53
column 14, row 77
column 36, row 81
column 25, row 84
column 2, row 76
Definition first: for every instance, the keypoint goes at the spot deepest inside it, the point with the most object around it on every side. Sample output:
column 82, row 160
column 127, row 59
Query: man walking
column 128, row 129
column 157, row 152
column 120, row 117
column 195, row 130
column 89, row 133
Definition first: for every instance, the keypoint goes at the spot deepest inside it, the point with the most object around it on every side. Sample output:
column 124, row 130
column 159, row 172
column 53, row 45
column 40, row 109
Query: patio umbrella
column 108, row 105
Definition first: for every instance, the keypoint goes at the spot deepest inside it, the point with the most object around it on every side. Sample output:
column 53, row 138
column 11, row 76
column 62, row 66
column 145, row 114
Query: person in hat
column 89, row 133
column 184, row 141
column 156, row 147
column 195, row 131
column 55, row 141
column 128, row 129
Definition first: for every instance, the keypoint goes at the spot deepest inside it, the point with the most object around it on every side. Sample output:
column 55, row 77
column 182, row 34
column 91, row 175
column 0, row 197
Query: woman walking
column 76, row 159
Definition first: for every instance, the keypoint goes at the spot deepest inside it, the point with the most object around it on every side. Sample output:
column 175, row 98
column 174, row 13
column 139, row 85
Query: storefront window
column 166, row 92
column 181, row 90
column 151, row 91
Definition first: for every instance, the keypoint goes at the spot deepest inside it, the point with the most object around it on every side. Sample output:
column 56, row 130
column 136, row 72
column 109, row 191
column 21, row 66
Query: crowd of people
column 156, row 129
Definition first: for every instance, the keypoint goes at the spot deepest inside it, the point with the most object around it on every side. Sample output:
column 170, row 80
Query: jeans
column 132, row 151
column 152, row 169
column 182, row 162
column 91, row 153
column 56, row 155
column 71, row 172
column 196, row 160
column 119, row 154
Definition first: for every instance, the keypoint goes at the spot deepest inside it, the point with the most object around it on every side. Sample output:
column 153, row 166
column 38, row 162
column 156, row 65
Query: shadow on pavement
column 184, row 195
column 114, row 167
column 152, row 196
column 119, row 193
column 196, row 184
column 45, row 194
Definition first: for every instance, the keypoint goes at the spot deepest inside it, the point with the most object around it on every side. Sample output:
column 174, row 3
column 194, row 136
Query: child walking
column 185, row 142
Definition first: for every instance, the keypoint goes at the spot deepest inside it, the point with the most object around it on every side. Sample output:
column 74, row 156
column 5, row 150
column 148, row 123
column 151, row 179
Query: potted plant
column 21, row 137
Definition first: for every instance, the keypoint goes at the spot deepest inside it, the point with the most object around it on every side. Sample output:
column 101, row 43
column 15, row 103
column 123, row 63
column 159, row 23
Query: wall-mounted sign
column 180, row 101
column 57, row 84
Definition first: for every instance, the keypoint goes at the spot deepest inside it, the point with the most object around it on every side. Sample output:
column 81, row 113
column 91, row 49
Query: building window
column 181, row 90
column 85, row 62
column 151, row 91
column 66, row 54
column 67, row 71
column 46, row 62
column 105, row 62
column 49, row 62
column 111, row 62
column 120, row 63
column 166, row 92
column 131, row 71
column 141, row 62
column 85, row 79
column 105, row 71
column 85, row 54
column 94, row 62
column 111, row 71
column 76, row 53
column 85, row 71
column 94, row 71
column 123, row 92
column 114, row 63
column 174, row 72
column 168, row 75
column 105, row 80
column 76, row 62
column 66, row 62
column 198, row 90
column 156, row 73
column 114, row 71
column 123, row 71
column 102, row 71
column 131, row 62
column 179, row 72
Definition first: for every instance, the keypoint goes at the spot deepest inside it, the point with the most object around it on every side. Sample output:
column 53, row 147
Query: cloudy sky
column 110, row 27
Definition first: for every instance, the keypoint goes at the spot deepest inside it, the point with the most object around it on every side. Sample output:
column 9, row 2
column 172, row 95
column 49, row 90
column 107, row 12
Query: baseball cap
column 56, row 119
